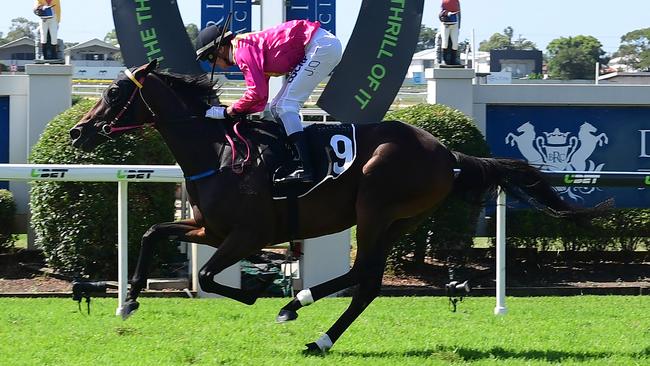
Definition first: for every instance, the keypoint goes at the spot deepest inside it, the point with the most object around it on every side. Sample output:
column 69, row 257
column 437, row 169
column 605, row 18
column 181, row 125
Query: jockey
column 450, row 18
column 299, row 49
column 50, row 13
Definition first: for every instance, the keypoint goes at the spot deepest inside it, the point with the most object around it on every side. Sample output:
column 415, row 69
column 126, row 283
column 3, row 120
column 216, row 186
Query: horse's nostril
column 75, row 133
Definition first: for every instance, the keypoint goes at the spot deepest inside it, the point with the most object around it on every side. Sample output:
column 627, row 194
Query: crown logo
column 556, row 137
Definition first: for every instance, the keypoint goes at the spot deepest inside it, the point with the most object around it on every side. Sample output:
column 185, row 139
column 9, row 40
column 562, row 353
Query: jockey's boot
column 44, row 51
column 304, row 171
column 446, row 60
column 455, row 57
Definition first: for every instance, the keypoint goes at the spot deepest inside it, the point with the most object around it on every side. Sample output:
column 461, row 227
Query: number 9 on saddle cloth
column 333, row 150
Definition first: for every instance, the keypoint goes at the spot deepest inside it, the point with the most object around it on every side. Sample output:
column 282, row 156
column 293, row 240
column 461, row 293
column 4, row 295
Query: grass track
column 586, row 330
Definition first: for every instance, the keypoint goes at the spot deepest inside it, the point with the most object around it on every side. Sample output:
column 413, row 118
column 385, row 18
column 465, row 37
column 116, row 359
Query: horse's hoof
column 129, row 307
column 286, row 316
column 313, row 350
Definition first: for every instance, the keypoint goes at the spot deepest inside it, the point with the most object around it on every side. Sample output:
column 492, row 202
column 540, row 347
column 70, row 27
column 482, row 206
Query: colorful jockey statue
column 50, row 13
column 300, row 49
column 450, row 27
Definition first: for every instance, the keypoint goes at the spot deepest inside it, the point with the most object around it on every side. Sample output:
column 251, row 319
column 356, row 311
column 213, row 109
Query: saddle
column 255, row 143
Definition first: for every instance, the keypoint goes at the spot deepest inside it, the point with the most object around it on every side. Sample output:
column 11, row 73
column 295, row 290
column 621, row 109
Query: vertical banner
column 153, row 29
column 215, row 12
column 375, row 62
column 323, row 11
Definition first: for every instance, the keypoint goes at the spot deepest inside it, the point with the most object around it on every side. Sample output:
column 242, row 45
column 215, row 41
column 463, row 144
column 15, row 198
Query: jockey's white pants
column 49, row 25
column 449, row 31
column 322, row 54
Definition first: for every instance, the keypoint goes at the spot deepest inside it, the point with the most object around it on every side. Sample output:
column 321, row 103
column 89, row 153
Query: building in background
column 17, row 53
column 628, row 78
column 520, row 63
column 94, row 59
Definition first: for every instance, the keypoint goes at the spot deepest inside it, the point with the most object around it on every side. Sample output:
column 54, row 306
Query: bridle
column 108, row 128
column 112, row 126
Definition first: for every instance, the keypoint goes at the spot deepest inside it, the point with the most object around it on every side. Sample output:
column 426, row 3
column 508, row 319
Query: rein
column 113, row 127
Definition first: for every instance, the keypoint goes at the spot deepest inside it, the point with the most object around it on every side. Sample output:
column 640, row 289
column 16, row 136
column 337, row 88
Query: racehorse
column 400, row 174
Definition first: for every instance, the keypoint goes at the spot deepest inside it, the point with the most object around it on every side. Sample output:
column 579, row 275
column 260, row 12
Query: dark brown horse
column 401, row 173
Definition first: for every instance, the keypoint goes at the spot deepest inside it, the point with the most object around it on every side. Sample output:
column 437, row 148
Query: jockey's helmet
column 210, row 39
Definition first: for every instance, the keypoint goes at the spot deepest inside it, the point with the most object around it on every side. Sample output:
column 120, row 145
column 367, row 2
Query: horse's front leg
column 239, row 244
column 186, row 230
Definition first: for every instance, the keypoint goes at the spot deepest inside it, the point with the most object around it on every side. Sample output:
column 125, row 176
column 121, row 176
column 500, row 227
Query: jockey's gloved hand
column 217, row 113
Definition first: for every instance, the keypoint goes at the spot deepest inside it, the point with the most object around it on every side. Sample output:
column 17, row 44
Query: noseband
column 112, row 126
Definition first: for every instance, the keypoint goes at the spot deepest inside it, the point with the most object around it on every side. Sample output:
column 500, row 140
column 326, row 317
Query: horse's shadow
column 474, row 354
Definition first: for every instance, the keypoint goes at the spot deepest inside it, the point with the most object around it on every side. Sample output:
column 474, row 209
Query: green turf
column 393, row 331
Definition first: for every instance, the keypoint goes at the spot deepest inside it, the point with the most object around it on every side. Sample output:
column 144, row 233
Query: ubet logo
column 581, row 178
column 134, row 174
column 48, row 173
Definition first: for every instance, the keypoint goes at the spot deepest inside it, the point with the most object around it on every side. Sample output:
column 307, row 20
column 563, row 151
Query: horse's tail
column 479, row 176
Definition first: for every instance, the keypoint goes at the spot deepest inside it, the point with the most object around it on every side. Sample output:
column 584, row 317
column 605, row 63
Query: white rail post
column 122, row 244
column 500, row 308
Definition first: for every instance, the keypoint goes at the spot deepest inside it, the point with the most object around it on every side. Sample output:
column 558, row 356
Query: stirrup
column 297, row 175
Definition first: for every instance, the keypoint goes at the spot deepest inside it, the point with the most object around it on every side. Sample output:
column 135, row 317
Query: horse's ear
column 151, row 66
column 143, row 71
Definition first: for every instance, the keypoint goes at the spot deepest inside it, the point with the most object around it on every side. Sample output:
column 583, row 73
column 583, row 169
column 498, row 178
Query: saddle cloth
column 333, row 150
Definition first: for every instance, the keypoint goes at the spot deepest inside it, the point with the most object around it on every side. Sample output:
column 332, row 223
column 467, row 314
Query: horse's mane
column 189, row 85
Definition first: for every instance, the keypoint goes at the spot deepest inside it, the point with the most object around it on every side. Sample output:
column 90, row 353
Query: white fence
column 556, row 178
column 122, row 175
column 333, row 249
column 404, row 97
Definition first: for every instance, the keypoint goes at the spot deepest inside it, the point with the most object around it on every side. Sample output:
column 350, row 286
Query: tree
column 193, row 32
column 574, row 57
column 635, row 49
column 111, row 37
column 21, row 27
column 427, row 38
column 503, row 41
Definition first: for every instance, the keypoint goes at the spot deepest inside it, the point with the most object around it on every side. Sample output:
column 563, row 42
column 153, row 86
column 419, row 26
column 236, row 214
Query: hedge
column 7, row 213
column 76, row 222
column 453, row 225
column 620, row 230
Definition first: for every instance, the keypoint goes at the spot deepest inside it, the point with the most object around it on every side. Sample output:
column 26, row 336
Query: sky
column 538, row 21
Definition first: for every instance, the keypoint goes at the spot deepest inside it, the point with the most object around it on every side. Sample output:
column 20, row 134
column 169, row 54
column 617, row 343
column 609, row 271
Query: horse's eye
column 113, row 94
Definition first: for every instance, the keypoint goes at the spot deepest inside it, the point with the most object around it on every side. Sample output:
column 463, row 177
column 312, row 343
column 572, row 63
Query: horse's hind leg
column 308, row 296
column 186, row 230
column 373, row 248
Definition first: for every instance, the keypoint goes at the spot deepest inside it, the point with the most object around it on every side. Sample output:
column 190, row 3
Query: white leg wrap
column 304, row 296
column 324, row 343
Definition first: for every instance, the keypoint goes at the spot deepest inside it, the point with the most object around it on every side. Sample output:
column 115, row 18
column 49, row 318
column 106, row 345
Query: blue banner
column 323, row 11
column 591, row 139
column 215, row 12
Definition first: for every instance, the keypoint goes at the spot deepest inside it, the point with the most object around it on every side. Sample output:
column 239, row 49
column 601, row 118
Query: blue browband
column 201, row 175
